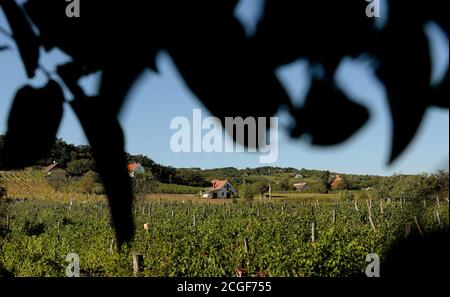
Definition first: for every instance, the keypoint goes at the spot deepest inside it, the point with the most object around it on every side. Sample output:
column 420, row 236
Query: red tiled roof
column 216, row 185
column 336, row 181
column 132, row 166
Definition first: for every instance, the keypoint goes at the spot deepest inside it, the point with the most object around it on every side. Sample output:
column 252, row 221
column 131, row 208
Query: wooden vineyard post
column 356, row 205
column 270, row 192
column 334, row 215
column 381, row 206
column 229, row 209
column 418, row 226
column 438, row 203
column 172, row 213
column 282, row 209
column 57, row 227
column 370, row 216
column 246, row 245
column 438, row 217
column 369, row 206
column 401, row 204
column 371, row 223
column 193, row 218
column 407, row 229
column 137, row 264
column 313, row 232
column 111, row 246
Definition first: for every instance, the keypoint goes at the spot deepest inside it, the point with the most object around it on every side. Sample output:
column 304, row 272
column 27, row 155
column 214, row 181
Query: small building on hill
column 52, row 167
column 337, row 181
column 301, row 187
column 220, row 189
column 135, row 168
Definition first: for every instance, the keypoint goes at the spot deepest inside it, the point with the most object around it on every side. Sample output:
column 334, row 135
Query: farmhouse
column 220, row 189
column 337, row 181
column 135, row 168
column 301, row 187
column 50, row 168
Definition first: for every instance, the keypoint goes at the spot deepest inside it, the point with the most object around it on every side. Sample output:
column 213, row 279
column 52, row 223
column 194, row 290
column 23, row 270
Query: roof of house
column 336, row 181
column 300, row 185
column 50, row 167
column 133, row 166
column 216, row 185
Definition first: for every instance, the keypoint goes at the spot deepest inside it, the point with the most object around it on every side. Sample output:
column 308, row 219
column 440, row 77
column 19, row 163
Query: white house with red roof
column 135, row 168
column 220, row 189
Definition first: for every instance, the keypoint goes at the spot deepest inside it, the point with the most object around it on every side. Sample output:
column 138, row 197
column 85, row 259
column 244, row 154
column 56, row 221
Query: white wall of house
column 139, row 169
column 222, row 193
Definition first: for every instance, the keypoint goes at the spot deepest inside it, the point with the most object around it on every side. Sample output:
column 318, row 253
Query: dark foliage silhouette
column 220, row 64
column 32, row 125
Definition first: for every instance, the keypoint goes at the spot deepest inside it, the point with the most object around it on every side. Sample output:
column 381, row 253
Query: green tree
column 247, row 191
column 317, row 187
column 2, row 192
column 57, row 179
column 89, row 182
column 80, row 167
column 325, row 179
column 285, row 185
column 144, row 184
column 261, row 187
column 346, row 196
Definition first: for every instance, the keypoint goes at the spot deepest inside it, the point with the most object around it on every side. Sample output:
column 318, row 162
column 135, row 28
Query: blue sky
column 156, row 99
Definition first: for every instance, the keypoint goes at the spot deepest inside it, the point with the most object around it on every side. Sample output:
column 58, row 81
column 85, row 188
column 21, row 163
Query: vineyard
column 258, row 238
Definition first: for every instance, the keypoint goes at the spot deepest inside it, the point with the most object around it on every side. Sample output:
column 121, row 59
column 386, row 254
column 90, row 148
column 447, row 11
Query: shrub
column 144, row 184
column 89, row 182
column 247, row 191
column 80, row 167
column 57, row 179
column 2, row 192
column 346, row 196
column 363, row 195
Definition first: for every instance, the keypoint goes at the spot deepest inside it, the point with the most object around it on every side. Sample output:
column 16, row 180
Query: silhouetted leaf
column 328, row 115
column 107, row 144
column 24, row 36
column 405, row 69
column 32, row 125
